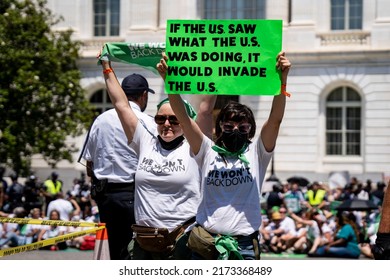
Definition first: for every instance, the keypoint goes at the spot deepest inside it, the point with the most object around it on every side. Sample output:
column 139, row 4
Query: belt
column 252, row 235
column 237, row 237
column 119, row 187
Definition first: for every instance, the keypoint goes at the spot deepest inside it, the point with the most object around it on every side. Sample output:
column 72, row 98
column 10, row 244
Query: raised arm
column 299, row 219
column 191, row 130
column 205, row 113
column 76, row 208
column 270, row 130
column 118, row 98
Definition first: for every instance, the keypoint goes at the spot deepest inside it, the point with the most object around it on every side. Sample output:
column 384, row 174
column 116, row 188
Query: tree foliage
column 41, row 100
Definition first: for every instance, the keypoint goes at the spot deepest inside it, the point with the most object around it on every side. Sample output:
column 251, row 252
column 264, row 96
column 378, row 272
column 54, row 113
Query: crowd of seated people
column 306, row 220
column 296, row 219
column 28, row 200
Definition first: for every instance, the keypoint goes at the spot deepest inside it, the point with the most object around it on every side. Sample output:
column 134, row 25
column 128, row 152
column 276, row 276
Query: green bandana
column 189, row 109
column 227, row 247
column 239, row 154
column 146, row 55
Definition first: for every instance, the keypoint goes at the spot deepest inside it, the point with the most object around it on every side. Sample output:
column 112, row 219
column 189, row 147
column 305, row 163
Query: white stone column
column 301, row 30
column 380, row 28
column 302, row 12
column 382, row 10
column 277, row 9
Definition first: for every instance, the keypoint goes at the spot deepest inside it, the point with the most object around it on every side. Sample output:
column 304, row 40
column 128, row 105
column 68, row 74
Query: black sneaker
column 381, row 249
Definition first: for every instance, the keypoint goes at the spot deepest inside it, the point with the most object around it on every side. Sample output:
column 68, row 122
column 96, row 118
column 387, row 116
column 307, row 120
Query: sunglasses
column 243, row 128
column 161, row 119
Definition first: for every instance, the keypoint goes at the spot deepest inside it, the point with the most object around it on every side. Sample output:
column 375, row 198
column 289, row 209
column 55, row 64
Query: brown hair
column 347, row 218
column 235, row 112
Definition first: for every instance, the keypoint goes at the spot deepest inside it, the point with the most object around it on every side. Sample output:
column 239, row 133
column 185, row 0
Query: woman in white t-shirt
column 167, row 181
column 52, row 231
column 233, row 168
column 318, row 232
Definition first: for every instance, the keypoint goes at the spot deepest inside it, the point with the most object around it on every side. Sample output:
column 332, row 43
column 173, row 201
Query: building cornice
column 340, row 58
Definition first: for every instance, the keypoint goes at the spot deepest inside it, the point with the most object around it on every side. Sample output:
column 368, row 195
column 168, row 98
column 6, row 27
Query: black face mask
column 234, row 141
column 171, row 145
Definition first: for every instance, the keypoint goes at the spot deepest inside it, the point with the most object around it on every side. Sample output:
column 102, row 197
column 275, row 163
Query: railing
column 344, row 38
column 97, row 43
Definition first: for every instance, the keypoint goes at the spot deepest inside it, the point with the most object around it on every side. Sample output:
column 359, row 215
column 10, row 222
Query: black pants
column 117, row 211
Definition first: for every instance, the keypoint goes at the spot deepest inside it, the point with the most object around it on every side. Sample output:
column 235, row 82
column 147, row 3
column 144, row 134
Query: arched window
column 106, row 17
column 346, row 14
column 343, row 122
column 101, row 100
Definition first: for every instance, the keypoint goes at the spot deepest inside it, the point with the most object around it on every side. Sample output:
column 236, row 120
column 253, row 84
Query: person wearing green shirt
column 345, row 243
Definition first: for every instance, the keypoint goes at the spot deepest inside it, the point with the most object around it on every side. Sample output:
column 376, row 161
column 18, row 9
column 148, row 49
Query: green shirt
column 347, row 233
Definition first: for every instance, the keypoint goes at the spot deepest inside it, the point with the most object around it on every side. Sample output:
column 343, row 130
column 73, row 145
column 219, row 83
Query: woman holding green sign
column 233, row 170
column 167, row 181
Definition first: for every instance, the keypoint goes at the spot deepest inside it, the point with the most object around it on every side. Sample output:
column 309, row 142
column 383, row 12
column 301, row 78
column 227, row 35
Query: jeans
column 336, row 252
column 246, row 247
column 15, row 240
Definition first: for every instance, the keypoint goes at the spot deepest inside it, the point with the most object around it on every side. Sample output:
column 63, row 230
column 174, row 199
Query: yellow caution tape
column 48, row 222
column 47, row 242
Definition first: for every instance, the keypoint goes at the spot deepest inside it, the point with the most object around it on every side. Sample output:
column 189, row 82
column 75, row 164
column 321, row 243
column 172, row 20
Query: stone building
column 338, row 118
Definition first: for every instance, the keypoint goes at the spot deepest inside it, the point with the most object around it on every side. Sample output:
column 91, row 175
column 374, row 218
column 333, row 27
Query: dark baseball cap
column 134, row 84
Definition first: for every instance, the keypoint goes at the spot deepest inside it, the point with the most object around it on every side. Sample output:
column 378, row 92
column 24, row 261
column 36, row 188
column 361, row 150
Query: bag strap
column 86, row 141
column 179, row 230
column 256, row 247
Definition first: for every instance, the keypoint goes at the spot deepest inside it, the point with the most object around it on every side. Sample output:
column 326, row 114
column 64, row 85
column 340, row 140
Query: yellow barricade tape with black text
column 50, row 241
column 47, row 222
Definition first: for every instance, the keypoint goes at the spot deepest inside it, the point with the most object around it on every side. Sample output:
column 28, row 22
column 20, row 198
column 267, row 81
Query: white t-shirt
column 167, row 183
column 288, row 226
column 271, row 227
column 32, row 227
column 63, row 206
column 107, row 147
column 52, row 231
column 2, row 231
column 231, row 191
column 313, row 231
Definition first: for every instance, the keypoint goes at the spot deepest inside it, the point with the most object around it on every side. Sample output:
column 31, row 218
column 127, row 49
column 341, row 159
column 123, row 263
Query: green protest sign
column 232, row 57
column 146, row 55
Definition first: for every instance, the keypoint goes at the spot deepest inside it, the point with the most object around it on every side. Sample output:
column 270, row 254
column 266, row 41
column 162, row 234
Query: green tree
column 41, row 100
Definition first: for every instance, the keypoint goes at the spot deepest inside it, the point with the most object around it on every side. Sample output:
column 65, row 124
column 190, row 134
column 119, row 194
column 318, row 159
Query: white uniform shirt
column 167, row 183
column 107, row 146
column 232, row 191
